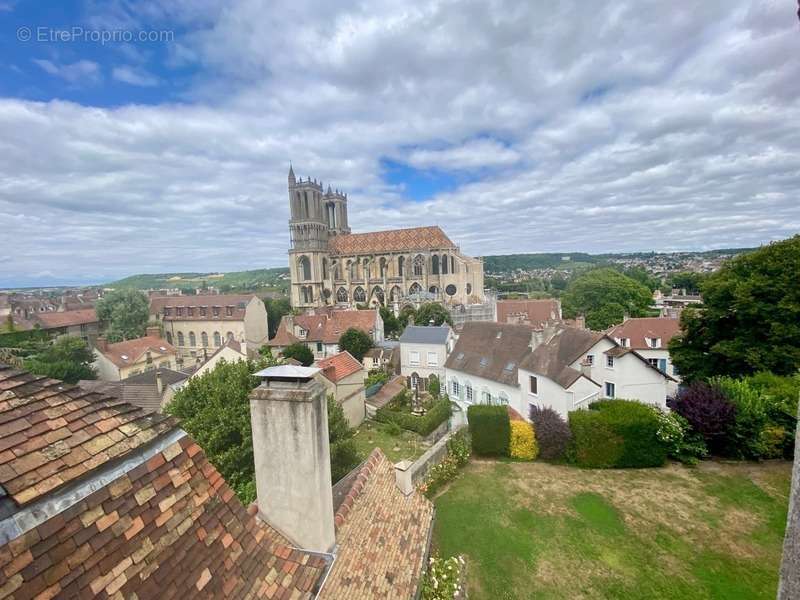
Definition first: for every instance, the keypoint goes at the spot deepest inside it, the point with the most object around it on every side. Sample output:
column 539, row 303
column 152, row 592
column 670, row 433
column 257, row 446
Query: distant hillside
column 235, row 280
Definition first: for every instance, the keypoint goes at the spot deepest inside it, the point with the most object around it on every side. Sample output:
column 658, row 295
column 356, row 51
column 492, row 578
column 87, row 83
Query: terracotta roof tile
column 530, row 312
column 326, row 328
column 339, row 366
column 636, row 330
column 238, row 303
column 129, row 352
column 491, row 350
column 395, row 240
column 52, row 320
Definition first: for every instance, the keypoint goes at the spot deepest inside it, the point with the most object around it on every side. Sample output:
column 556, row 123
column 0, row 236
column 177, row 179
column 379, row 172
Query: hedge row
column 489, row 429
column 616, row 433
column 13, row 339
column 437, row 414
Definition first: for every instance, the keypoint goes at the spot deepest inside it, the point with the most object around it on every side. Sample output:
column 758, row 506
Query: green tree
column 356, row 342
column 407, row 314
column 604, row 296
column 68, row 359
column 344, row 452
column 687, row 280
column 750, row 318
column 125, row 313
column 433, row 313
column 641, row 275
column 276, row 308
column 300, row 352
column 391, row 324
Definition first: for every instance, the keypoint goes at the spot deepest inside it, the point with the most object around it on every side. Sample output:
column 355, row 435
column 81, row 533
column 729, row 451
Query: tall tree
column 343, row 449
column 687, row 280
column 125, row 313
column 68, row 359
column 391, row 324
column 300, row 352
column 605, row 296
column 432, row 313
column 356, row 342
column 276, row 308
column 750, row 318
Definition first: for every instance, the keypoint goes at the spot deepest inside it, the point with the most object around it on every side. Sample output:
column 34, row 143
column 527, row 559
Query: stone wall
column 789, row 587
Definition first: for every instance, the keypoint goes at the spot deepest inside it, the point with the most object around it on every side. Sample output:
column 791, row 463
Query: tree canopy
column 604, row 296
column 432, row 313
column 276, row 308
column 300, row 352
column 125, row 313
column 68, row 359
column 687, row 280
column 356, row 342
column 391, row 324
column 750, row 318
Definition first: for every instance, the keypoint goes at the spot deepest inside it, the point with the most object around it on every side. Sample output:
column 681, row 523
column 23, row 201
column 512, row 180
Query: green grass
column 371, row 434
column 546, row 531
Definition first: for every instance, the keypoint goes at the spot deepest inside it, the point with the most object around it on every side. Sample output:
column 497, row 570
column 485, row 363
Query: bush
column 437, row 414
column 680, row 441
column 433, row 386
column 708, row 412
column 438, row 475
column 616, row 433
column 442, row 580
column 743, row 439
column 490, row 429
column 392, row 429
column 459, row 447
column 552, row 432
column 522, row 443
column 773, row 441
column 299, row 352
column 376, row 376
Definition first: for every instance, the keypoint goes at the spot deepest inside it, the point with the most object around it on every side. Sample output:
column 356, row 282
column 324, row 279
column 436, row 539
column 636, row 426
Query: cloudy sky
column 154, row 136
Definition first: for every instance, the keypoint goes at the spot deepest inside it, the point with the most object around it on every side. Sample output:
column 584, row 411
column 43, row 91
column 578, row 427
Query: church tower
column 308, row 252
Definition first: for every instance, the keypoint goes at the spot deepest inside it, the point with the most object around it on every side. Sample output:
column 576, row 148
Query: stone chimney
column 580, row 322
column 159, row 382
column 543, row 335
column 289, row 415
column 101, row 343
column 153, row 331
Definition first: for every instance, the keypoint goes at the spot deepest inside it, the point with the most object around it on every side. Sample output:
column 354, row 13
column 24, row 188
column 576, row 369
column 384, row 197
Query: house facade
column 121, row 360
column 343, row 377
column 424, row 352
column 82, row 323
column 330, row 266
column 199, row 325
column 650, row 337
column 321, row 329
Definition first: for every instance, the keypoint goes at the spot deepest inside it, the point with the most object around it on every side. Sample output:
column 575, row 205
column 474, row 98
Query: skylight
column 124, row 357
column 484, row 361
column 510, row 366
column 460, row 356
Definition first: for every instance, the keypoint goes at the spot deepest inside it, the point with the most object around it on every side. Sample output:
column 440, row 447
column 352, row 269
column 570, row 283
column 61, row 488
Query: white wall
column 479, row 385
column 663, row 354
column 551, row 395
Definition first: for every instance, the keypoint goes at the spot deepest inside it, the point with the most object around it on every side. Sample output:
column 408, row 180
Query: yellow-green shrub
column 522, row 443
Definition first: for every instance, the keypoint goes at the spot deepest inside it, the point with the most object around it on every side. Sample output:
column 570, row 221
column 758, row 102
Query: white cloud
column 635, row 125
column 134, row 76
column 81, row 71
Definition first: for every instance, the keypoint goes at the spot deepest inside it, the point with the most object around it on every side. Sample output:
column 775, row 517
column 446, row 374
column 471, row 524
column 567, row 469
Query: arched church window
column 192, row 339
column 305, row 268
column 401, row 261
column 305, row 204
column 435, row 264
column 383, row 267
column 367, row 268
column 452, row 265
column 445, row 270
column 324, row 268
column 419, row 265
column 415, row 289
column 204, row 339
column 395, row 294
column 217, row 339
column 469, row 288
column 180, row 338
column 377, row 292
column 433, row 289
column 353, row 268
column 359, row 295
column 341, row 295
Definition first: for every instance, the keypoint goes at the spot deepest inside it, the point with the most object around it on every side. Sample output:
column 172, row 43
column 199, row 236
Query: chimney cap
column 293, row 372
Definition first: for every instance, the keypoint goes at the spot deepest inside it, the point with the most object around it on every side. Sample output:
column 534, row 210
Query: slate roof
column 337, row 367
column 418, row 334
column 129, row 352
column 77, row 521
column 53, row 320
column 553, row 358
column 395, row 240
column 140, row 390
column 325, row 328
column 532, row 312
column 490, row 350
column 383, row 537
column 636, row 330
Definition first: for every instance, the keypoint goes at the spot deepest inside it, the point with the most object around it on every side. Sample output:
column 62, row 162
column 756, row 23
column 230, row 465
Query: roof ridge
column 366, row 471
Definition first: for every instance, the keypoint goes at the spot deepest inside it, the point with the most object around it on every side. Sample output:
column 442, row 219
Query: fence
column 410, row 475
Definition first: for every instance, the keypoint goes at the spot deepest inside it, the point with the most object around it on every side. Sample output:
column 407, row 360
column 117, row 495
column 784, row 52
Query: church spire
column 291, row 173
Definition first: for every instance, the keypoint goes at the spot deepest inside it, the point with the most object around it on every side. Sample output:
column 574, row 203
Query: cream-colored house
column 423, row 352
column 121, row 360
column 343, row 377
column 199, row 325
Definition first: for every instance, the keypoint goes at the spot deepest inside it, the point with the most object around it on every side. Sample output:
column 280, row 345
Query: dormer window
column 215, row 311
column 228, row 311
column 167, row 311
column 203, row 311
column 190, row 311
column 179, row 311
column 654, row 342
column 624, row 342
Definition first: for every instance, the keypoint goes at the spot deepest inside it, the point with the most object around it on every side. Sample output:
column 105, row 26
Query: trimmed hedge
column 552, row 432
column 616, row 434
column 522, row 444
column 437, row 414
column 490, row 429
column 15, row 338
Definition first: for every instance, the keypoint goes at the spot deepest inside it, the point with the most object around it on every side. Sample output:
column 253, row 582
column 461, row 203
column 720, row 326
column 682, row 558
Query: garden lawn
column 371, row 434
column 535, row 530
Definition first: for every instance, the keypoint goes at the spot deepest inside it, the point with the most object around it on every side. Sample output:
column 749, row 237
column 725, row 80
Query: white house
column 321, row 329
column 568, row 368
column 482, row 368
column 423, row 352
column 650, row 337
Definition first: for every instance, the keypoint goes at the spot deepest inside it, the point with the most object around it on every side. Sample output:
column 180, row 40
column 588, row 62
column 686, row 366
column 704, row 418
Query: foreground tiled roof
column 395, row 240
column 52, row 320
column 636, row 330
column 337, row 367
column 532, row 312
column 129, row 352
column 383, row 537
column 160, row 524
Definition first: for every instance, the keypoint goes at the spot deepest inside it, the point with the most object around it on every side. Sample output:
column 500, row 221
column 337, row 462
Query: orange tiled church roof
column 395, row 240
